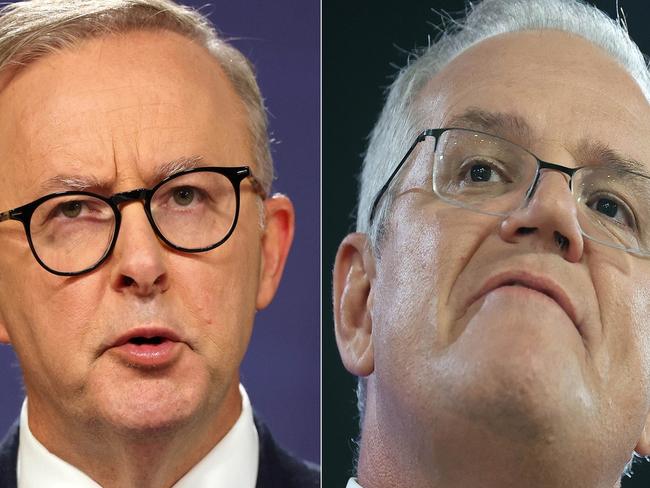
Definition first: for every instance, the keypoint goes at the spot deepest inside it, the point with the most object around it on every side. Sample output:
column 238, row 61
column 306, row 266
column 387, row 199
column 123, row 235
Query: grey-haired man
column 495, row 298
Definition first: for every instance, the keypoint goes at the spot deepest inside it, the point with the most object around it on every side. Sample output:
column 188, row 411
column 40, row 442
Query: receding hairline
column 509, row 39
column 421, row 90
column 10, row 70
column 32, row 29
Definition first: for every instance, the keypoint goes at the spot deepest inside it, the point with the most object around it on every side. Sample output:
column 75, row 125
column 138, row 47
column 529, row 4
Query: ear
column 276, row 241
column 354, row 271
column 4, row 334
column 643, row 446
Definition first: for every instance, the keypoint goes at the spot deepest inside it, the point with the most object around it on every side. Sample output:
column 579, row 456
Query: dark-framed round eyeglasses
column 487, row 174
column 73, row 232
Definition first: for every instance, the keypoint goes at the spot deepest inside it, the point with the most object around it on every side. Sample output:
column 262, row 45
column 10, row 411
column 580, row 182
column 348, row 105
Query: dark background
column 281, row 370
column 363, row 42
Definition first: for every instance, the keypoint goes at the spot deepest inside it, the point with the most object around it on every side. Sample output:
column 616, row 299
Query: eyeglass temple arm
column 14, row 214
column 257, row 186
column 375, row 203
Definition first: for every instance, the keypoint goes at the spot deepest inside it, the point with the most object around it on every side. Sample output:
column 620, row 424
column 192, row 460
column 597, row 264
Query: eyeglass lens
column 490, row 175
column 71, row 233
column 195, row 210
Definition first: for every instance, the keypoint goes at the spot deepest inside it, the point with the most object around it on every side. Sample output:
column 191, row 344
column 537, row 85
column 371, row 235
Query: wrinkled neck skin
column 393, row 454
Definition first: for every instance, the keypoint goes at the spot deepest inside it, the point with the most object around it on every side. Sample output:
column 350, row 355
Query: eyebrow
column 500, row 124
column 600, row 154
column 176, row 166
column 509, row 126
column 69, row 182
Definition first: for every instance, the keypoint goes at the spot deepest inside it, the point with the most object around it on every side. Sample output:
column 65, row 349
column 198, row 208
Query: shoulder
column 9, row 457
column 278, row 468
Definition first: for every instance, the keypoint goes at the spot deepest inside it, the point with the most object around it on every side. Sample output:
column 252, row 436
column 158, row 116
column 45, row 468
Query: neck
column 147, row 459
column 383, row 467
column 397, row 450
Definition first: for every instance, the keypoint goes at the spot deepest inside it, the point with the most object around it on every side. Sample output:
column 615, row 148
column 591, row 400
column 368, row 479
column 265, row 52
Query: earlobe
column 353, row 274
column 4, row 335
column 276, row 241
column 643, row 445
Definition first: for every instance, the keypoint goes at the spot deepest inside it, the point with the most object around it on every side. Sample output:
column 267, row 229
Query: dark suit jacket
column 277, row 468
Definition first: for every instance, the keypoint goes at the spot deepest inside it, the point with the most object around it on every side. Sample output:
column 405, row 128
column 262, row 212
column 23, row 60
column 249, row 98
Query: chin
column 152, row 406
column 521, row 382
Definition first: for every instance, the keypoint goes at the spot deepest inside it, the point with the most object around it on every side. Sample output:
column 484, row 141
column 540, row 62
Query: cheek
column 218, row 291
column 425, row 248
column 37, row 304
column 52, row 325
column 626, row 322
column 622, row 358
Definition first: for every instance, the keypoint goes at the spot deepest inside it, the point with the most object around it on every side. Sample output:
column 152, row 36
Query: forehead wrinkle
column 503, row 124
column 76, row 182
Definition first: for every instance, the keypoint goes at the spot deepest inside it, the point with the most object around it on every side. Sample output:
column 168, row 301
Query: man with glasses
column 494, row 302
column 138, row 240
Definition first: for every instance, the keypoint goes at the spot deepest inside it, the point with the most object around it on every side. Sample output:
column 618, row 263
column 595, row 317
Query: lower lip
column 149, row 355
column 527, row 293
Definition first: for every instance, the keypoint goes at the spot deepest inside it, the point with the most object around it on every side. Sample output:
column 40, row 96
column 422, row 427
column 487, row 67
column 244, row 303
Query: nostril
column 127, row 281
column 561, row 240
column 526, row 230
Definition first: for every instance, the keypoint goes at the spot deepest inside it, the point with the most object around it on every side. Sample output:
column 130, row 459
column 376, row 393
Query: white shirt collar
column 232, row 462
column 352, row 483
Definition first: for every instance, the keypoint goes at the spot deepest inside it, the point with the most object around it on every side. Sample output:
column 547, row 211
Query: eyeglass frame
column 541, row 165
column 235, row 174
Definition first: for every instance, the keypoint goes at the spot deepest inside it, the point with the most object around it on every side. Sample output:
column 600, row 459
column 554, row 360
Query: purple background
column 281, row 370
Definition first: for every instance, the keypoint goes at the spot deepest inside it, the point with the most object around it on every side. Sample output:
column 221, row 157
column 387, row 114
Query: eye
column 76, row 209
column 613, row 208
column 71, row 209
column 482, row 170
column 184, row 196
column 607, row 207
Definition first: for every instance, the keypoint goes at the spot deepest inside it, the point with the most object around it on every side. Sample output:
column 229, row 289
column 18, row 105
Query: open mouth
column 150, row 350
column 148, row 341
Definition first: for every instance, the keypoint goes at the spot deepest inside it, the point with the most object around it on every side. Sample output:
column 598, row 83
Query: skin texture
column 506, row 390
column 117, row 108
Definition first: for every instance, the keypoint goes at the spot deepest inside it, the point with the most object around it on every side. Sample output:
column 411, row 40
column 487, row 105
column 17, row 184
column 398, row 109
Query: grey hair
column 399, row 122
column 32, row 29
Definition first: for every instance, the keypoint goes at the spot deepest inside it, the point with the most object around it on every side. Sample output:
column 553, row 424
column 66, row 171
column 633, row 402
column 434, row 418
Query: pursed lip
column 540, row 283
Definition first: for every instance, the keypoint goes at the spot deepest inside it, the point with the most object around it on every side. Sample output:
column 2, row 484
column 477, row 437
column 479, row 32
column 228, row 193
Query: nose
column 138, row 259
column 549, row 218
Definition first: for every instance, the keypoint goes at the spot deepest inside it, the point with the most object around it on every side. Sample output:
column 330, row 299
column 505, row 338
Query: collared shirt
column 232, row 462
column 352, row 483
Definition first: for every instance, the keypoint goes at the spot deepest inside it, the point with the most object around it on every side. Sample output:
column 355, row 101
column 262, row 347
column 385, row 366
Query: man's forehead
column 161, row 109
